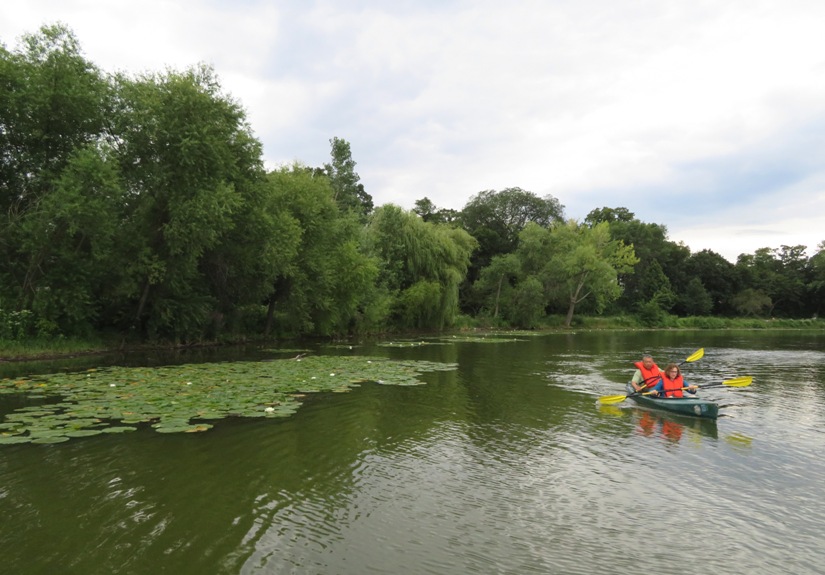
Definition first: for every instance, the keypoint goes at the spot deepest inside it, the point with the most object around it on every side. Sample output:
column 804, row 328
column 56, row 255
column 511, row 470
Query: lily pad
column 84, row 432
column 50, row 439
column 107, row 399
column 118, row 429
column 9, row 440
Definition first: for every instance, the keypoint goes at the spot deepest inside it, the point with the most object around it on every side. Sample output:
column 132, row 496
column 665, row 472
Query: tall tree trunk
column 498, row 295
column 570, row 310
column 143, row 298
column 270, row 314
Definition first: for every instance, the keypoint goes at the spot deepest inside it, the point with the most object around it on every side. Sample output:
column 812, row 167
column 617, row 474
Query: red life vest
column 648, row 375
column 673, row 387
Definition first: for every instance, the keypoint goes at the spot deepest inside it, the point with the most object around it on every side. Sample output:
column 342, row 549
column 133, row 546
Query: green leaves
column 181, row 399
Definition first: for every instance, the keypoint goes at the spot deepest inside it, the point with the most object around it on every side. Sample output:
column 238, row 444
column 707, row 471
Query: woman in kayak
column 671, row 383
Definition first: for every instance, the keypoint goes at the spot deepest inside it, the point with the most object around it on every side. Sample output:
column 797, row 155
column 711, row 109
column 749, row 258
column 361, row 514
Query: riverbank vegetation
column 138, row 209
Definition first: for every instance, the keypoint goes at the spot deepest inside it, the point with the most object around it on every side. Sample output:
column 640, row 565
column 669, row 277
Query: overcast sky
column 706, row 116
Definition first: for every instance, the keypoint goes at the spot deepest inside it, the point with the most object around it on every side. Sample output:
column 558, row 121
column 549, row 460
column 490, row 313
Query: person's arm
column 637, row 380
column 657, row 387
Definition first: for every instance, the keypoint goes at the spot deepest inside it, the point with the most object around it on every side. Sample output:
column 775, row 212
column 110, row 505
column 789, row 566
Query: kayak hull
column 682, row 405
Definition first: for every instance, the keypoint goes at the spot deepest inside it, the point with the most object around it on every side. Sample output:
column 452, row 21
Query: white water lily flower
column 269, row 409
column 331, row 374
column 112, row 385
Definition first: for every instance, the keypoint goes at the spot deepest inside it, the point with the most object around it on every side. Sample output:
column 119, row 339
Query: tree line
column 140, row 206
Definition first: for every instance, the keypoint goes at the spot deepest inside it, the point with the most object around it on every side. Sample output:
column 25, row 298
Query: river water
column 507, row 465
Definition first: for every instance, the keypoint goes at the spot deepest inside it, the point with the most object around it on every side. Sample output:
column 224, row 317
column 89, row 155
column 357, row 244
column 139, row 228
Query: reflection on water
column 672, row 427
column 503, row 466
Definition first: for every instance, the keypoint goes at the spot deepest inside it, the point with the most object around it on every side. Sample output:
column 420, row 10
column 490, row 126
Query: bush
column 17, row 325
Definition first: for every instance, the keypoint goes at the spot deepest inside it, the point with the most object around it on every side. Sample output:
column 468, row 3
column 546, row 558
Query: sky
column 707, row 117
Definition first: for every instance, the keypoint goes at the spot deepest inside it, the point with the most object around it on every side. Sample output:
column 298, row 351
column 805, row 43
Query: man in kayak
column 671, row 383
column 647, row 372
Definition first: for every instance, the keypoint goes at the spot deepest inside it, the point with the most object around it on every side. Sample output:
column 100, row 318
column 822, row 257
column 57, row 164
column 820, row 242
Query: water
column 507, row 465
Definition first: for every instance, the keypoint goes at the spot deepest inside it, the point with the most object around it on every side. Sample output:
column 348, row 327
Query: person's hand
column 654, row 393
column 693, row 388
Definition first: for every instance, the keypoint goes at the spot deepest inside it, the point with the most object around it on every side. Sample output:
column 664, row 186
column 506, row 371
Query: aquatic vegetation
column 184, row 398
column 407, row 343
column 492, row 338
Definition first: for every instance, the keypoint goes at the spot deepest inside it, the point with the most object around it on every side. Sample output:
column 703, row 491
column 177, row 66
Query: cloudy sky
column 705, row 116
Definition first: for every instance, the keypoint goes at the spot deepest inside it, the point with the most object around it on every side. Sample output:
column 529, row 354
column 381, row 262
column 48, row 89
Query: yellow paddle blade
column 739, row 381
column 696, row 356
column 610, row 399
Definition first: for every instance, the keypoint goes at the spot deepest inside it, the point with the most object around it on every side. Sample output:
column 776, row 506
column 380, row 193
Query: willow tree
column 421, row 266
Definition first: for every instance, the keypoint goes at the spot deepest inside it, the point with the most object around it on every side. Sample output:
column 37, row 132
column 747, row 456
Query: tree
column 421, row 266
column 325, row 283
column 781, row 274
column 53, row 105
column 574, row 263
column 71, row 233
column 496, row 283
column 347, row 190
column 717, row 276
column 188, row 160
column 751, row 302
column 495, row 219
column 429, row 212
column 654, row 252
column 696, row 300
column 609, row 215
column 816, row 287
column 585, row 263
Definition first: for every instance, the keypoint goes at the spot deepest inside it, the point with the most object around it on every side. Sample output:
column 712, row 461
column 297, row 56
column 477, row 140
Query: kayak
column 681, row 405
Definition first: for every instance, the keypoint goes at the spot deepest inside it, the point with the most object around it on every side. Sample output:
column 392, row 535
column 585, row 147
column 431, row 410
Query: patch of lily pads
column 408, row 343
column 479, row 339
column 186, row 398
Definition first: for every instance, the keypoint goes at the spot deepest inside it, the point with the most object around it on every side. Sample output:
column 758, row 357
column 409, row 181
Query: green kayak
column 682, row 405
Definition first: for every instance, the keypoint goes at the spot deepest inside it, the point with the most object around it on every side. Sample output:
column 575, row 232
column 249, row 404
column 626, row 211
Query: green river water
column 507, row 464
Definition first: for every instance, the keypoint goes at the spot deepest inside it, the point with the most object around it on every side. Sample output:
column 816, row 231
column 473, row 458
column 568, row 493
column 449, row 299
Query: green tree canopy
column 323, row 288
column 422, row 265
column 585, row 263
column 188, row 160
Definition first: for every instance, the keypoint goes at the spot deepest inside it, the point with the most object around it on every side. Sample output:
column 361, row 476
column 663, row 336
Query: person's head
column 647, row 361
column 672, row 371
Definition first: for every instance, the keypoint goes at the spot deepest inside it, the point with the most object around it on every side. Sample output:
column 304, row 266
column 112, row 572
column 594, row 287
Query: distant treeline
column 140, row 206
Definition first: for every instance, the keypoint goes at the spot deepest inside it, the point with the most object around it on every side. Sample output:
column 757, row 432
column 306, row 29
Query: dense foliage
column 140, row 206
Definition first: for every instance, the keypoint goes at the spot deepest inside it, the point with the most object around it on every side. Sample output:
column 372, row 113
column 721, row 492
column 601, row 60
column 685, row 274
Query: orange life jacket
column 648, row 375
column 673, row 387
